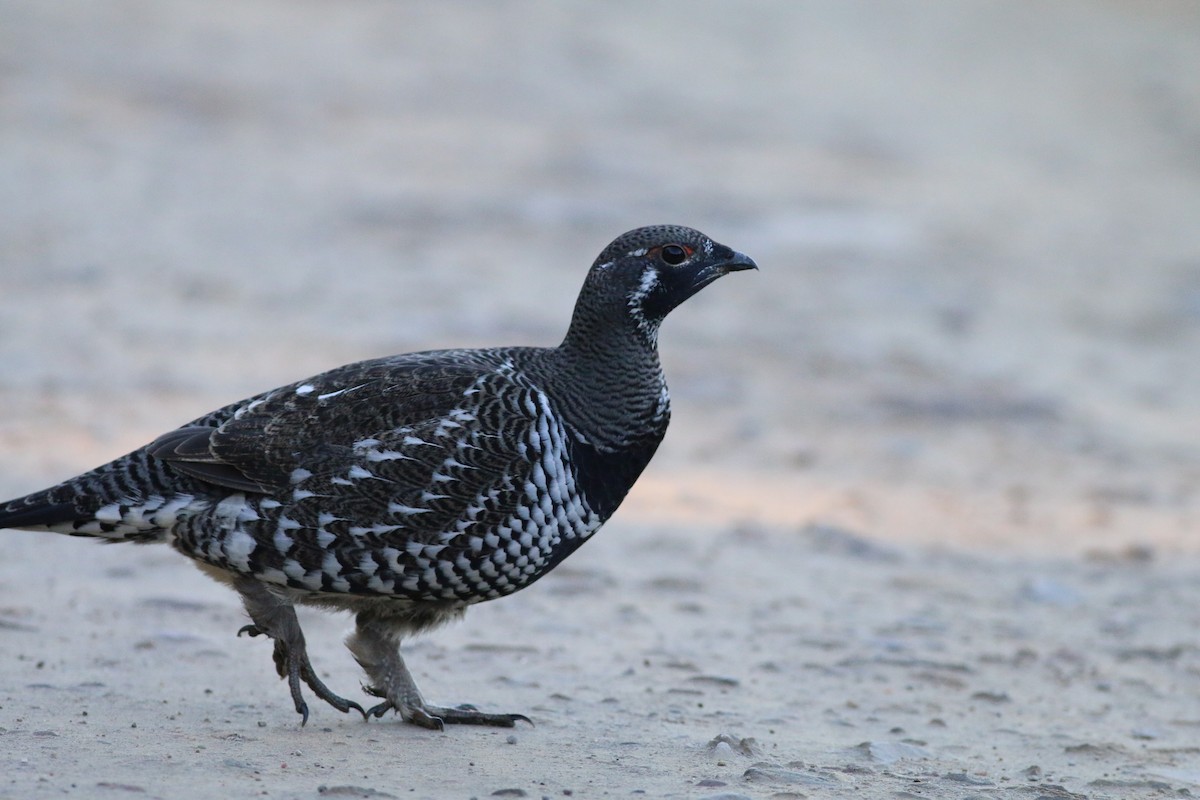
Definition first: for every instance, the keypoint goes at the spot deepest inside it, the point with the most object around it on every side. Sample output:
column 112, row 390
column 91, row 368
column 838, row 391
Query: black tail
column 36, row 511
column 118, row 501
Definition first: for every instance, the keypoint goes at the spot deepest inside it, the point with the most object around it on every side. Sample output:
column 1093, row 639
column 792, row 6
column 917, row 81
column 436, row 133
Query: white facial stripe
column 649, row 281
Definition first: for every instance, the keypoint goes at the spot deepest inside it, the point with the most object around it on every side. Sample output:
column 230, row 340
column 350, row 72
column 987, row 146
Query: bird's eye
column 674, row 254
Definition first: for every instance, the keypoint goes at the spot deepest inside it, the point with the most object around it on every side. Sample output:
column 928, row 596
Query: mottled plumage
column 407, row 488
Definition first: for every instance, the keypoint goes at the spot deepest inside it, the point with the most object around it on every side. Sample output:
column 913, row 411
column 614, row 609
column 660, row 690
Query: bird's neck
column 612, row 379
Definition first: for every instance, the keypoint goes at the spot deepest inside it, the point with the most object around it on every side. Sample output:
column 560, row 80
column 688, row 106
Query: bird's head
column 649, row 271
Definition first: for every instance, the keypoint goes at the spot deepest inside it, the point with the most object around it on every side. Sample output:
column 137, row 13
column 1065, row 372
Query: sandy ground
column 924, row 526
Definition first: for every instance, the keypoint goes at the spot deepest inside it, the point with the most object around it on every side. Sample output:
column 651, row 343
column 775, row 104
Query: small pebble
column 726, row 745
column 992, row 697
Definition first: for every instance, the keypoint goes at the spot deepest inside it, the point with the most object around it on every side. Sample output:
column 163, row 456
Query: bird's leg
column 376, row 646
column 274, row 616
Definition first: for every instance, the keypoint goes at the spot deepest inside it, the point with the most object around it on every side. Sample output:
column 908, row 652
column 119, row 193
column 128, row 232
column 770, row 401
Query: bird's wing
column 432, row 478
column 422, row 441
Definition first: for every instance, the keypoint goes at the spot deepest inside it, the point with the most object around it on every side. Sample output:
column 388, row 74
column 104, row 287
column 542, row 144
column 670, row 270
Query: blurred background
column 978, row 310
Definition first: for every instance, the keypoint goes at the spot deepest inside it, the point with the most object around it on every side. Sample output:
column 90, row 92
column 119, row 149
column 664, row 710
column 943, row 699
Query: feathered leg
column 275, row 617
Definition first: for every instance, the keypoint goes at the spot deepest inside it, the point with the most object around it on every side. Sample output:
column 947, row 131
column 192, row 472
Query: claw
column 426, row 720
column 379, row 710
column 437, row 718
column 469, row 715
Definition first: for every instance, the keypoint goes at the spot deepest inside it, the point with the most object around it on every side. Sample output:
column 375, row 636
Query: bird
column 404, row 489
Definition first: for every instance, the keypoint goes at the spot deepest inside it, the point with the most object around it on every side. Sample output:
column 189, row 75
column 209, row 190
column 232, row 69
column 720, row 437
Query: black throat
column 605, row 477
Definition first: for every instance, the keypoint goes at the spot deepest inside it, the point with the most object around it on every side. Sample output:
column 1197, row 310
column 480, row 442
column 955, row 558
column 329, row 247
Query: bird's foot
column 438, row 717
column 466, row 714
column 292, row 664
column 375, row 645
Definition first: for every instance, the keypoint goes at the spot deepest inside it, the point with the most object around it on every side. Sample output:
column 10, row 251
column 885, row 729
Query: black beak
column 739, row 262
column 734, row 262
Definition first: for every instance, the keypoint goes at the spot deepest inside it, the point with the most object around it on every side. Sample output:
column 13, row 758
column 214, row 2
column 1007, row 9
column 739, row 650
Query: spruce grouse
column 405, row 489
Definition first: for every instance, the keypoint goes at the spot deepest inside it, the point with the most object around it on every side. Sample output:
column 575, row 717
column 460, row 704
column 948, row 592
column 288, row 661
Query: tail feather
column 136, row 497
column 36, row 511
column 132, row 498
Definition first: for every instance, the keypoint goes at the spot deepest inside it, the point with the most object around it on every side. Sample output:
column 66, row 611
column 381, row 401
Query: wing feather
column 418, row 443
